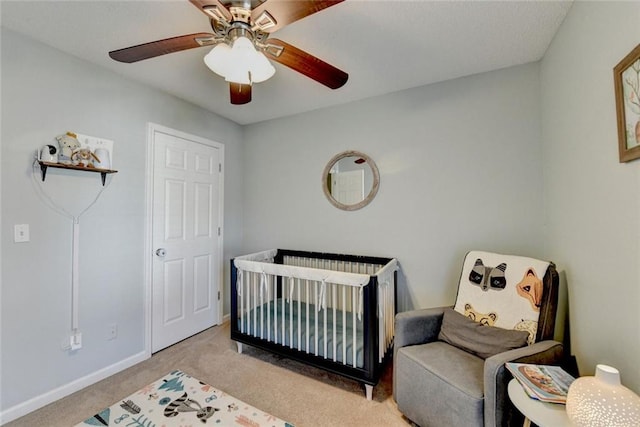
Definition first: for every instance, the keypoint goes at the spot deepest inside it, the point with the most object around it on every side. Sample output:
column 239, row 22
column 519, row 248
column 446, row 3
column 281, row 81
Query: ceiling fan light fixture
column 218, row 59
column 241, row 63
column 262, row 69
column 246, row 58
column 241, row 77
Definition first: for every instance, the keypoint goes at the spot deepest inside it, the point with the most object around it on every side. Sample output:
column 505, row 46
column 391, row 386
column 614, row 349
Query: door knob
column 161, row 252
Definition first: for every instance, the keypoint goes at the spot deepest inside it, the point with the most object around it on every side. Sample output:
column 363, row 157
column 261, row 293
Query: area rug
column 182, row 401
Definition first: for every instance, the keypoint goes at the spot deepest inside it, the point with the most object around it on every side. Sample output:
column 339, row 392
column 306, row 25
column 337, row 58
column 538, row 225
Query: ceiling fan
column 241, row 31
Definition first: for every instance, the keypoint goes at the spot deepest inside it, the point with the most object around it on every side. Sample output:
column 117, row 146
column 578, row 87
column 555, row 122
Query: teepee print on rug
column 181, row 400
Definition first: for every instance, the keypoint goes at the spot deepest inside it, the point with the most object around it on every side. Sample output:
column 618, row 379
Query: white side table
column 543, row 414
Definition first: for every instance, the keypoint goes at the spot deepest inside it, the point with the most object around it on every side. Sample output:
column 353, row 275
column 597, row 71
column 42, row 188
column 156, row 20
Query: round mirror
column 350, row 180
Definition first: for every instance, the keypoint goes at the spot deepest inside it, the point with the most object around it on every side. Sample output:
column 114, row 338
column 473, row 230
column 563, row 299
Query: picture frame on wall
column 627, row 89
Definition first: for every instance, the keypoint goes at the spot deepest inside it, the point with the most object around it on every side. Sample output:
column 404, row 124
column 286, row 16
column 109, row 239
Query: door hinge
column 219, row 167
column 218, row 295
column 219, row 231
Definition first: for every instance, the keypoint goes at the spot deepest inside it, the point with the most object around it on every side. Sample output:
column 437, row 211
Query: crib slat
column 248, row 302
column 387, row 311
column 275, row 312
column 324, row 335
column 255, row 306
column 392, row 325
column 267, row 303
column 315, row 328
column 248, row 296
column 307, row 316
column 261, row 302
column 283, row 312
column 261, row 311
column 333, row 305
column 241, row 299
column 388, row 298
column 249, row 293
column 247, row 306
column 344, row 325
column 391, row 309
column 382, row 316
column 355, row 327
column 292, row 284
column 299, row 317
column 245, row 303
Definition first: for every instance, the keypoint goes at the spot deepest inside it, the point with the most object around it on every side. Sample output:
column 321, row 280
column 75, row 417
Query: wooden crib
column 331, row 311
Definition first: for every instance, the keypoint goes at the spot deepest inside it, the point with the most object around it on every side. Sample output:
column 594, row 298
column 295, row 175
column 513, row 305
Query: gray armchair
column 439, row 384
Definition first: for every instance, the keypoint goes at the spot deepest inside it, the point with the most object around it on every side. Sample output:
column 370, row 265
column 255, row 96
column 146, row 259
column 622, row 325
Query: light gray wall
column 460, row 169
column 593, row 201
column 45, row 93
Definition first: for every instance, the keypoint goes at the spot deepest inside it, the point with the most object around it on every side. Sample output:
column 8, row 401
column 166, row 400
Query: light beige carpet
column 300, row 394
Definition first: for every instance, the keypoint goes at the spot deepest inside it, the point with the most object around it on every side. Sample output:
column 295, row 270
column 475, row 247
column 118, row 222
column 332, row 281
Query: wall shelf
column 44, row 165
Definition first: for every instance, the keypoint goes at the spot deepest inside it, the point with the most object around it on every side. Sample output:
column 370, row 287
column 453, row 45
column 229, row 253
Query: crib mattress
column 259, row 322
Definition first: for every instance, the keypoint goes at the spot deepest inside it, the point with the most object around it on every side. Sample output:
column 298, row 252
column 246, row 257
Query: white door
column 348, row 187
column 186, row 235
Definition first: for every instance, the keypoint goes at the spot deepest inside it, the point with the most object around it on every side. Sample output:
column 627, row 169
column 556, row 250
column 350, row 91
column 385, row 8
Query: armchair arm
column 417, row 327
column 497, row 406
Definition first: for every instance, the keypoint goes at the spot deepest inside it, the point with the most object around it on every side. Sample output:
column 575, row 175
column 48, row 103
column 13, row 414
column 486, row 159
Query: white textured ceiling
column 384, row 46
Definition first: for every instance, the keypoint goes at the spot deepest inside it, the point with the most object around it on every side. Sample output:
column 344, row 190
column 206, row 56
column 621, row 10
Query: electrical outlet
column 76, row 341
column 21, row 233
column 112, row 331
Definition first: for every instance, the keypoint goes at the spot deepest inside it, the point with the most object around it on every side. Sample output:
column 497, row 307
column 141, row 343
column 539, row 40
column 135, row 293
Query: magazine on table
column 542, row 382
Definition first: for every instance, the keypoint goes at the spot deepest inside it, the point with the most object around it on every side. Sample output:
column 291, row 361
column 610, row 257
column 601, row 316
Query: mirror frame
column 374, row 188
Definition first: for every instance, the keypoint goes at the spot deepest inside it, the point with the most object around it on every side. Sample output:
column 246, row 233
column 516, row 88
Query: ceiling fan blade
column 284, row 12
column 239, row 93
column 162, row 47
column 213, row 9
column 305, row 63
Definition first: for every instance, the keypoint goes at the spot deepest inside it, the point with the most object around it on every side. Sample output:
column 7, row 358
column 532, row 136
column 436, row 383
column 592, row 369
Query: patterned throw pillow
column 502, row 290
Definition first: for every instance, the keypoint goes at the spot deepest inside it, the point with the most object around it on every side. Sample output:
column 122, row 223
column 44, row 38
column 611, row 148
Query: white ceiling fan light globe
column 239, row 75
column 218, row 59
column 262, row 68
column 246, row 58
column 242, row 43
column 242, row 53
column 240, row 63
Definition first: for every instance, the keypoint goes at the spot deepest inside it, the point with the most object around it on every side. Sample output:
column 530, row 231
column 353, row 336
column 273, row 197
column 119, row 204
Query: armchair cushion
column 433, row 376
column 483, row 341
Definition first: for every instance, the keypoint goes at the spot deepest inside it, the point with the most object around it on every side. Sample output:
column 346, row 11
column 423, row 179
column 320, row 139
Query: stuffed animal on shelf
column 68, row 144
column 84, row 157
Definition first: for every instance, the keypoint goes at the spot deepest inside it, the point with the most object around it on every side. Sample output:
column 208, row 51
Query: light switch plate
column 21, row 233
column 93, row 143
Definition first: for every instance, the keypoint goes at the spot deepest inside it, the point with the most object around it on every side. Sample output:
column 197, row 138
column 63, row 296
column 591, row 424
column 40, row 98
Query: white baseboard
column 226, row 318
column 38, row 402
